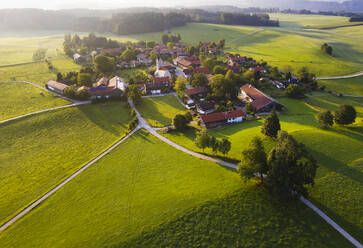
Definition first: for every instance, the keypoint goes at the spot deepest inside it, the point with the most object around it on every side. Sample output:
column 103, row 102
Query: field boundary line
column 64, row 182
column 42, row 111
column 245, row 35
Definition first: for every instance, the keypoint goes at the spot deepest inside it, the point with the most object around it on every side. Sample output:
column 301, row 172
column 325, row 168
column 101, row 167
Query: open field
column 144, row 183
column 17, row 99
column 337, row 150
column 38, row 152
column 160, row 111
column 37, row 72
column 140, row 184
column 351, row 86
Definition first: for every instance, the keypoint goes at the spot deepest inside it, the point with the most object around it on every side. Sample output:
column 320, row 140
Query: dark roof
column 206, row 105
column 201, row 70
column 238, row 58
column 221, row 116
column 103, row 90
column 257, row 68
column 196, row 91
column 259, row 99
column 161, row 80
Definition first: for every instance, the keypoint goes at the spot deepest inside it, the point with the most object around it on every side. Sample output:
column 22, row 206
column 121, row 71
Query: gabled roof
column 57, row 85
column 201, row 70
column 238, row 58
column 259, row 99
column 221, row 116
column 161, row 80
column 183, row 62
column 103, row 81
column 103, row 90
column 196, row 91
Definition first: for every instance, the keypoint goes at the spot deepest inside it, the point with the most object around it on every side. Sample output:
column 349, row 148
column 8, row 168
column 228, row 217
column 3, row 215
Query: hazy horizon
column 99, row 4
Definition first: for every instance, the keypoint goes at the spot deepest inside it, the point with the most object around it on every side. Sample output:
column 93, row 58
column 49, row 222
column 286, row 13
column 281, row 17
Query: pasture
column 18, row 98
column 37, row 152
column 351, row 86
column 145, row 184
column 160, row 111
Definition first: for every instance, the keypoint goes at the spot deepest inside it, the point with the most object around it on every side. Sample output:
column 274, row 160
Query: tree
column 250, row 109
column 180, row 87
column 188, row 116
column 198, row 80
column 170, row 45
column 202, row 139
column 254, row 160
column 39, row 54
column 84, row 79
column 214, row 144
column 83, row 94
column 218, row 70
column 345, row 115
column 103, row 64
column 129, row 54
column 164, row 38
column 180, row 122
column 224, row 146
column 219, row 86
column 134, row 93
column 294, row 91
column 221, row 43
column 291, row 168
column 271, row 126
column 326, row 118
column 327, row 49
column 209, row 63
column 150, row 44
column 70, row 92
column 59, row 77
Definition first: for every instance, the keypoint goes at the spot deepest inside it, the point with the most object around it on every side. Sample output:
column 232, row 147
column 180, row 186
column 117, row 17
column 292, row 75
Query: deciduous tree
column 271, row 125
column 345, row 115
column 326, row 118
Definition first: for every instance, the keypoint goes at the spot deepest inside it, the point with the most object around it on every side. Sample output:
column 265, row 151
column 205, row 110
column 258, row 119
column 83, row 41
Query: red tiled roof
column 201, row 70
column 221, row 116
column 196, row 62
column 161, row 79
column 101, row 90
column 183, row 62
column 259, row 99
column 196, row 91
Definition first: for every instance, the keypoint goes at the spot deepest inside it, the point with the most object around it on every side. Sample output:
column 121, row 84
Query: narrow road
column 45, row 110
column 59, row 186
column 340, row 77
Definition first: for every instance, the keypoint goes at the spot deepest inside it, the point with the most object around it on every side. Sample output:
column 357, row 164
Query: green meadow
column 37, row 152
column 338, row 150
column 18, row 98
column 160, row 111
column 147, row 194
column 351, row 86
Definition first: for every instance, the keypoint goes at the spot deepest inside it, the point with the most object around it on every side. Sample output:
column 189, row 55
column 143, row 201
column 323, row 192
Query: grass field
column 159, row 111
column 144, row 183
column 337, row 150
column 18, row 99
column 39, row 151
column 37, row 72
column 351, row 86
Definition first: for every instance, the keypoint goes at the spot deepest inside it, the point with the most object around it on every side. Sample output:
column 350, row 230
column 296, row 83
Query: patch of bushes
column 327, row 49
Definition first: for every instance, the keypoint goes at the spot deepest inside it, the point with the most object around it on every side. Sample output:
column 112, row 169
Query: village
column 215, row 86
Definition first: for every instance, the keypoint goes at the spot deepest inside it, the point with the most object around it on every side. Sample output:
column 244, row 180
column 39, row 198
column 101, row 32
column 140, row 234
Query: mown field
column 37, row 72
column 339, row 185
column 38, row 152
column 17, row 99
column 160, row 111
column 351, row 86
column 147, row 186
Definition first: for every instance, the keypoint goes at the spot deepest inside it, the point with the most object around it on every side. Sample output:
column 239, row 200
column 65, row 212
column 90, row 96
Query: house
column 221, row 118
column 201, row 70
column 162, row 69
column 182, row 62
column 143, row 59
column 234, row 68
column 278, row 84
column 205, row 107
column 104, row 91
column 236, row 60
column 197, row 93
column 102, row 82
column 260, row 69
column 56, row 87
column 112, row 51
column 118, row 82
column 158, row 85
column 81, row 59
column 261, row 101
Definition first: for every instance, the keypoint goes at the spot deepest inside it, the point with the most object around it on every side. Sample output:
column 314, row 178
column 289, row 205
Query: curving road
column 340, row 77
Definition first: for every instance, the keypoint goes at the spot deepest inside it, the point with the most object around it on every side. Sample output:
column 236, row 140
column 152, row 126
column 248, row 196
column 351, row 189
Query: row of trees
column 247, row 19
column 205, row 140
column 344, row 115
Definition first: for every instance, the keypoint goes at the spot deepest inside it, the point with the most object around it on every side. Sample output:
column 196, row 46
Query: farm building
column 221, row 118
column 56, row 87
column 104, row 91
column 261, row 101
column 118, row 82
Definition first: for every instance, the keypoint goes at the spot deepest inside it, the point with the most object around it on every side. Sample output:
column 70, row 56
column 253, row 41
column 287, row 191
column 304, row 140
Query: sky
column 106, row 4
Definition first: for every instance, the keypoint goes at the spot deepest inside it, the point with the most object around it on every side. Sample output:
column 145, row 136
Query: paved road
column 44, row 110
column 341, row 77
column 59, row 186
